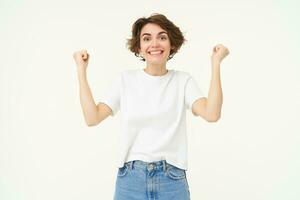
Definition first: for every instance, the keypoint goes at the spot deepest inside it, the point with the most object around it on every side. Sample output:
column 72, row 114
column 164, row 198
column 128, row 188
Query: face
column 155, row 44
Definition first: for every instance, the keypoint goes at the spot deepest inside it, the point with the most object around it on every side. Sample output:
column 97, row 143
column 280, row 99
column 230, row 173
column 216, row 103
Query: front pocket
column 175, row 172
column 122, row 171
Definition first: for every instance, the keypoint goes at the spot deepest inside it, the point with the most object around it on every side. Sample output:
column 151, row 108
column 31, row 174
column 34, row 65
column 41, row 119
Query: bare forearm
column 87, row 102
column 215, row 96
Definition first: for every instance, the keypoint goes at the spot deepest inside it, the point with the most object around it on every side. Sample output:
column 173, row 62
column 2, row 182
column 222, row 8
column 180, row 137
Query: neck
column 156, row 70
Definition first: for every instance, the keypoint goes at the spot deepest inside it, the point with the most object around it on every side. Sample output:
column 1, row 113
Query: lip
column 162, row 51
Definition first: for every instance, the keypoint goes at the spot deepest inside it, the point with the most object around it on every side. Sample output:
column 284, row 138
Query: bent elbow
column 90, row 124
column 213, row 118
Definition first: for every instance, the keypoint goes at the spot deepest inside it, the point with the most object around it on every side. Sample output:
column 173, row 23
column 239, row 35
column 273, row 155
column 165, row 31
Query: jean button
column 151, row 166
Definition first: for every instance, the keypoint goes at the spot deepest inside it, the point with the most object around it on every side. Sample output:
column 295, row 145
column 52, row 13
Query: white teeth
column 155, row 52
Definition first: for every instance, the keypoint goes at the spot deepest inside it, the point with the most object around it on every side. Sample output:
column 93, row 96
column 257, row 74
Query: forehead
column 152, row 29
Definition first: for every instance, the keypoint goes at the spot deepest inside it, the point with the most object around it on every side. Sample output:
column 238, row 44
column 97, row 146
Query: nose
column 154, row 43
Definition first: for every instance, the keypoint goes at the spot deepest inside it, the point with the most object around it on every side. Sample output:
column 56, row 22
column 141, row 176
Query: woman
column 153, row 144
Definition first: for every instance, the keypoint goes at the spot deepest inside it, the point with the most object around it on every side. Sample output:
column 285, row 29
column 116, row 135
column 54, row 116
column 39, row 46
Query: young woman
column 153, row 102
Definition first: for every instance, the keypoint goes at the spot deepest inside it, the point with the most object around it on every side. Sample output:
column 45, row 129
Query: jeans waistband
column 162, row 164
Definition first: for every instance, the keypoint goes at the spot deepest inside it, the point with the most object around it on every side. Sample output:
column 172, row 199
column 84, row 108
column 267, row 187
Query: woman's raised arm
column 93, row 114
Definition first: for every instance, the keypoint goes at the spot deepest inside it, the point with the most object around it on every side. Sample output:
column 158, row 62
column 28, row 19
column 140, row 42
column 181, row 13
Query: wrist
column 215, row 60
column 81, row 72
column 81, row 69
column 215, row 63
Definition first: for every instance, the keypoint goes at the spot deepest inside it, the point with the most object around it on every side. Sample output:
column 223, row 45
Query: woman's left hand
column 219, row 52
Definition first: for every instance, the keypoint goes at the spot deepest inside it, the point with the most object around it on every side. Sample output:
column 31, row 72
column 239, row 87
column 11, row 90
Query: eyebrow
column 158, row 33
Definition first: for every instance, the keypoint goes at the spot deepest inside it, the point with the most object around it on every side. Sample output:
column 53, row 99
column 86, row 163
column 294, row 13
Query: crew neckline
column 169, row 71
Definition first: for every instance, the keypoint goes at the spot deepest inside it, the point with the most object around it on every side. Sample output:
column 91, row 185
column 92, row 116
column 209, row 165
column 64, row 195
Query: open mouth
column 159, row 52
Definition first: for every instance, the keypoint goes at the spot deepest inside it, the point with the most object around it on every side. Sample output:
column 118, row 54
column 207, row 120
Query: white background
column 46, row 150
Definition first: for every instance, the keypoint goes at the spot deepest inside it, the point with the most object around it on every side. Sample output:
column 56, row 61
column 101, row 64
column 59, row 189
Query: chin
column 157, row 60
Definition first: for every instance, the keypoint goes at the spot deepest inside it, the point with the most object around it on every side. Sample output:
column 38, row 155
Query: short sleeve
column 192, row 92
column 112, row 95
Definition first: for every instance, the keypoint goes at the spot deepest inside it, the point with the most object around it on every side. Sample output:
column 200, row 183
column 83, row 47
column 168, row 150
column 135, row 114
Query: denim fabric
column 139, row 180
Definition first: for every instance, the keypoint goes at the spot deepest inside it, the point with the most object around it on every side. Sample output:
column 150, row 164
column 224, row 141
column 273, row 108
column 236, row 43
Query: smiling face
column 155, row 45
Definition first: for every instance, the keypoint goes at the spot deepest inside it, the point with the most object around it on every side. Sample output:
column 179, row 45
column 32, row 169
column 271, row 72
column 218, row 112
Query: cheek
column 144, row 48
column 166, row 46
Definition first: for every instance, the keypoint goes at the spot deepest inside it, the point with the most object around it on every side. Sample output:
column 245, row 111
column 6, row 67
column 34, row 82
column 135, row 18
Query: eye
column 163, row 37
column 146, row 39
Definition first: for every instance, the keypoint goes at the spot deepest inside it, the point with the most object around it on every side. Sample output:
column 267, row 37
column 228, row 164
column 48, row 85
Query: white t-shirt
column 153, row 114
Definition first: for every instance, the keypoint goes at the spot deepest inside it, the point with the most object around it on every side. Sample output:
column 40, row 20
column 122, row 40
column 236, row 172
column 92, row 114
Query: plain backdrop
column 48, row 152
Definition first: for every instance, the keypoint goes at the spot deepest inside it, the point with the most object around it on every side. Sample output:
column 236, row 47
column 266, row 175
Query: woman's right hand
column 81, row 59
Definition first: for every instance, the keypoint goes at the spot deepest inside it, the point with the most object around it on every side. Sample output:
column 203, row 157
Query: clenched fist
column 219, row 52
column 81, row 58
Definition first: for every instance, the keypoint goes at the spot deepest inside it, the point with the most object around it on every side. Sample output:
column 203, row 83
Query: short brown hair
column 174, row 33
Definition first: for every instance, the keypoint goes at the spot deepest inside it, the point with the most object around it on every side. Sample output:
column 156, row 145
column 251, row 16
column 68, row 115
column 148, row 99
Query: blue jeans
column 139, row 180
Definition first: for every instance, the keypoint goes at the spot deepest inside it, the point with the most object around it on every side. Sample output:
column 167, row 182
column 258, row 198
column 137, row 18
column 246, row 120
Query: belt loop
column 164, row 165
column 131, row 165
